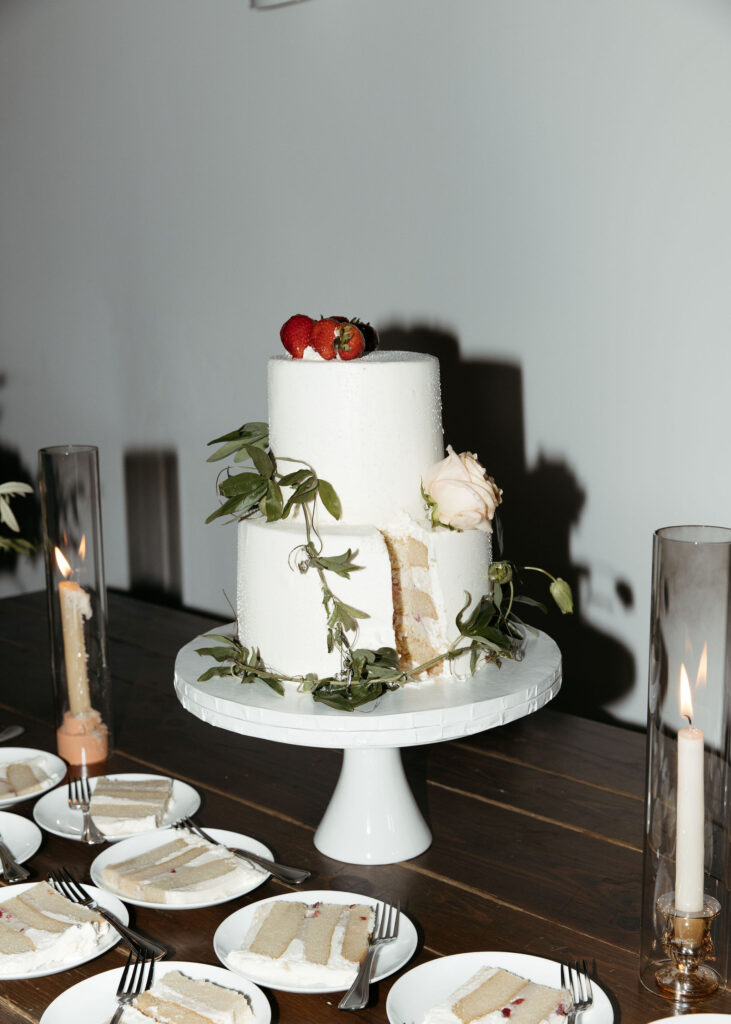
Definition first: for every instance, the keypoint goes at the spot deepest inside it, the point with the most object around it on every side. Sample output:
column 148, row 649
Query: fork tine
column 78, row 893
column 589, row 991
column 127, row 970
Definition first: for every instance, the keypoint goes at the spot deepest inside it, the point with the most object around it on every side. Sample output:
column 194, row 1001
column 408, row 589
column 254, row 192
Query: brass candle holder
column 686, row 938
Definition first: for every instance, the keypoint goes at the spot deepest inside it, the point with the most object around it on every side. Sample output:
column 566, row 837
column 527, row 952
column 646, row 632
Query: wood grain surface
column 537, row 825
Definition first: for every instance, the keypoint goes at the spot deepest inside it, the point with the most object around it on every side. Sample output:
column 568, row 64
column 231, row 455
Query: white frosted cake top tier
column 370, row 426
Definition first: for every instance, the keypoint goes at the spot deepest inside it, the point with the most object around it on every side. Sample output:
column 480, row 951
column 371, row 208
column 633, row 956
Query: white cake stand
column 372, row 817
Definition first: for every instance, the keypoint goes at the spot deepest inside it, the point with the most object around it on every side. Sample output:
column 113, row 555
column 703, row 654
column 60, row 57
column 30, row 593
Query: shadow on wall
column 152, row 498
column 483, row 412
column 26, row 509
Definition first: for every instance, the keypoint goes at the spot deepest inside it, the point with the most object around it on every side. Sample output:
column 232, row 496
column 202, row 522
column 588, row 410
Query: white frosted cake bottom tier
column 280, row 609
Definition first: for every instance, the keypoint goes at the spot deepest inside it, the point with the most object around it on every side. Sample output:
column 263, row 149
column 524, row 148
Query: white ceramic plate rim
column 230, row 933
column 148, row 840
column 708, row 1018
column 431, row 983
column 104, row 899
column 21, row 836
column 54, row 767
column 53, row 806
column 96, row 994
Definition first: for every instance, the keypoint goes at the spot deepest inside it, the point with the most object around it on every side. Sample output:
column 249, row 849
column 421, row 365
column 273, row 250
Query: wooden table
column 537, row 825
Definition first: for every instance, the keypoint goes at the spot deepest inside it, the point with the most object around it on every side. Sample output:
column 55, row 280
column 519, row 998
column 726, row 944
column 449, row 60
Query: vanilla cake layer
column 183, row 871
column 127, row 806
column 492, row 996
column 321, row 944
column 372, row 427
column 40, row 928
column 178, row 999
column 280, row 609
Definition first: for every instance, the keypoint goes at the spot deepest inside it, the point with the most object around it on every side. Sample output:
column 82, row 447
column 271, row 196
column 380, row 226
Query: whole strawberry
column 350, row 342
column 324, row 336
column 296, row 334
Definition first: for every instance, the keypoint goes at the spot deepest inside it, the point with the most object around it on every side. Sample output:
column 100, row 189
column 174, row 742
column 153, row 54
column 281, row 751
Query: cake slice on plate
column 186, row 870
column 320, row 944
column 178, row 999
column 493, row 996
column 40, row 928
column 127, row 806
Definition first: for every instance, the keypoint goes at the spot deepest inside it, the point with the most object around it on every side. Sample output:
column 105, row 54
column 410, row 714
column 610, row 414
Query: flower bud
column 500, row 572
column 561, row 594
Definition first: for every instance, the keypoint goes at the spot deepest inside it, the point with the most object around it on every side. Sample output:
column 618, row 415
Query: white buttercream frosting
column 372, row 427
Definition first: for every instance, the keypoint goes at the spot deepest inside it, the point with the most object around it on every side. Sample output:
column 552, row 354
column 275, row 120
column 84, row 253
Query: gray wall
column 540, row 189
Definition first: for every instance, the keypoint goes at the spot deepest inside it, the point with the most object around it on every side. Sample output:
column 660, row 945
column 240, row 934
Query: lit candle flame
column 700, row 679
column 63, row 563
column 685, row 699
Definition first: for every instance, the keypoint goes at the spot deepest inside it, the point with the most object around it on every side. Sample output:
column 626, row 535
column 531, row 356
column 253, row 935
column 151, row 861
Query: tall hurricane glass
column 77, row 601
column 684, row 928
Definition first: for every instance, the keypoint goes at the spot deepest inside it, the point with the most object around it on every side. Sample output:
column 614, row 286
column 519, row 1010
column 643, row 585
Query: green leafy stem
column 259, row 489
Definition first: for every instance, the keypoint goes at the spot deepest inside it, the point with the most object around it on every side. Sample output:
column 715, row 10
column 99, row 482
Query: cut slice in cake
column 317, row 944
column 492, row 996
column 128, row 806
column 178, row 999
column 40, row 928
column 186, row 870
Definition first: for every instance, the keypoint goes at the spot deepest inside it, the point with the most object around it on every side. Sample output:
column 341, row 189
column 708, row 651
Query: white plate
column 21, row 836
column 230, row 936
column 702, row 1018
column 428, row 984
column 52, row 812
column 53, row 766
column 141, row 844
column 92, row 1001
column 104, row 899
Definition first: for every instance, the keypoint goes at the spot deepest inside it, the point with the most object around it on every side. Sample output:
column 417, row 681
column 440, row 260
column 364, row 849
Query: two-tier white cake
column 372, row 428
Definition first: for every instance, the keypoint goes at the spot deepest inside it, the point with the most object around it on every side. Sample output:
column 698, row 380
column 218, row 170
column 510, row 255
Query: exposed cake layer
column 185, row 870
column 412, row 585
column 319, row 944
column 178, row 999
column 492, row 996
column 40, row 928
column 372, row 427
column 127, row 806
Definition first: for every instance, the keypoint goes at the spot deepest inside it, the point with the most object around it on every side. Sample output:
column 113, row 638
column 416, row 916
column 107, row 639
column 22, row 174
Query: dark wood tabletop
column 537, row 825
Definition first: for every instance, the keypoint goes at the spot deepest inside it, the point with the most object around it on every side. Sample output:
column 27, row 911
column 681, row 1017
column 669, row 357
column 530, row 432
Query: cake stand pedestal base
column 372, row 817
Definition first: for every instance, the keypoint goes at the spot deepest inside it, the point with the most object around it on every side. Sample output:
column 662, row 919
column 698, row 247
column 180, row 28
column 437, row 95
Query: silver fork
column 10, row 870
column 136, row 977
column 579, row 984
column 79, row 800
column 65, row 883
column 385, row 929
column 283, row 872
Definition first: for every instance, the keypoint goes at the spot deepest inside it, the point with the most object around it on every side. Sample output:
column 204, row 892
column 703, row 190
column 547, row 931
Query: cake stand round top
column 417, row 713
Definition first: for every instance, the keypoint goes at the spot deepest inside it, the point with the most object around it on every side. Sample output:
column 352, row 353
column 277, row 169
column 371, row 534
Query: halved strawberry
column 296, row 334
column 324, row 335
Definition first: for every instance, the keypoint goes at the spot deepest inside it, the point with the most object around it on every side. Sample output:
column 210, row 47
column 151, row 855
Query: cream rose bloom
column 466, row 497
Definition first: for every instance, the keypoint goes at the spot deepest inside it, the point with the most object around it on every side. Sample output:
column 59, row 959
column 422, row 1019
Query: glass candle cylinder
column 77, row 601
column 686, row 857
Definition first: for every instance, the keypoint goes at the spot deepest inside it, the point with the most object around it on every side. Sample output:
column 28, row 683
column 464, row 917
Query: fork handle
column 281, row 871
column 357, row 995
column 9, row 867
column 136, row 941
column 89, row 832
